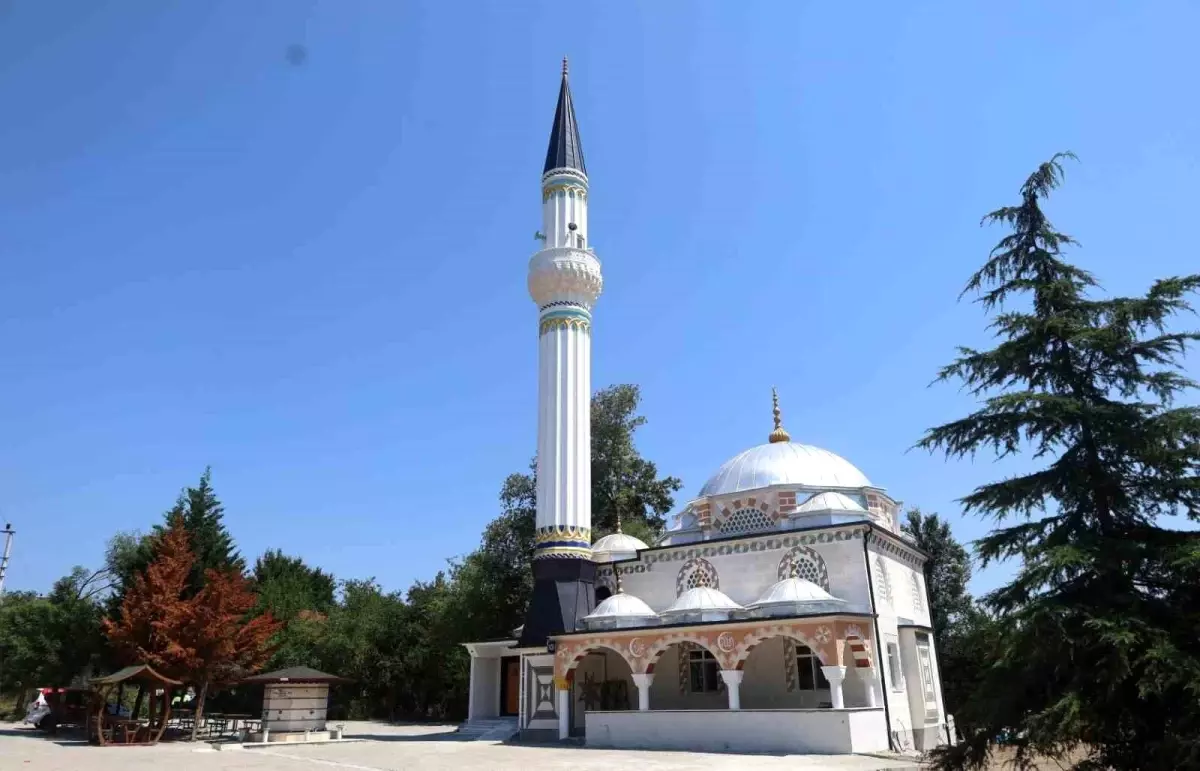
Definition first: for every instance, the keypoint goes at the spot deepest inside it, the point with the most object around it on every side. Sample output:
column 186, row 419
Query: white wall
column 817, row 731
column 900, row 598
column 300, row 707
column 485, row 688
column 745, row 576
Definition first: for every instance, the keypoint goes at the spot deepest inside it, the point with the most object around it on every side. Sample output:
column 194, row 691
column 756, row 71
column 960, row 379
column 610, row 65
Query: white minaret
column 564, row 281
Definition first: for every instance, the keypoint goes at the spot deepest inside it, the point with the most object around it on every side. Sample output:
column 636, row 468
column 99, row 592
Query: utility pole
column 8, row 536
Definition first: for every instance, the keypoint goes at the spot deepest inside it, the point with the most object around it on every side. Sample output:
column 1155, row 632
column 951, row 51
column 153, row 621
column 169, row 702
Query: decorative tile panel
column 541, row 694
column 686, row 552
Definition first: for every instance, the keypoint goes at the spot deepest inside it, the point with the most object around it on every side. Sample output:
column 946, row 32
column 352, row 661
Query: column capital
column 732, row 677
column 834, row 673
column 643, row 680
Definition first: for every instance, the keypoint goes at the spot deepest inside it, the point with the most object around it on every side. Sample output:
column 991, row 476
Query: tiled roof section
column 565, row 151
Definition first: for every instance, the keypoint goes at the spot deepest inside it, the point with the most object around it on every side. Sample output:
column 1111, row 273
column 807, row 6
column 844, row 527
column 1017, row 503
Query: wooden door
column 510, row 686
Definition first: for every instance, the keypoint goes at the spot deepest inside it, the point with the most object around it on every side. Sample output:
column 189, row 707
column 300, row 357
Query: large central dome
column 783, row 463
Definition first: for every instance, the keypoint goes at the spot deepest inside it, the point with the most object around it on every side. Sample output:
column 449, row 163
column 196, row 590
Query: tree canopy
column 1100, row 652
column 177, row 598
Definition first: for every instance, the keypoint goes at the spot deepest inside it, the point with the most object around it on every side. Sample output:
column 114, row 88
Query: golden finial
column 618, row 521
column 779, row 434
column 617, row 575
column 564, row 66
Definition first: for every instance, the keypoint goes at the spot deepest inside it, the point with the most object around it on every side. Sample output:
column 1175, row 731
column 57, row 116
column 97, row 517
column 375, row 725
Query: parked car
column 38, row 709
column 58, row 706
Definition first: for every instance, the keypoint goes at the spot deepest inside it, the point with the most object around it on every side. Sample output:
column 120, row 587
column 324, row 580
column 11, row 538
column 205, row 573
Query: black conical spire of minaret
column 565, row 151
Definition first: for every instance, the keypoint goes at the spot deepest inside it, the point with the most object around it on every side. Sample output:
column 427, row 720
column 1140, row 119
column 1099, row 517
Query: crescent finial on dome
column 779, row 434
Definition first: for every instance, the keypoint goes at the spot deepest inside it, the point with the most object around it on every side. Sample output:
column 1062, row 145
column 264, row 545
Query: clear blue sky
column 312, row 277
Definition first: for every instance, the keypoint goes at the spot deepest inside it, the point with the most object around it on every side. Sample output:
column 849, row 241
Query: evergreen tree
column 204, row 519
column 287, row 586
column 946, row 572
column 1100, row 653
column 623, row 482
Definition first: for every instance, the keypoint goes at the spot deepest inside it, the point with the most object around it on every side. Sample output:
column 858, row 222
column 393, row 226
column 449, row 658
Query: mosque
column 782, row 611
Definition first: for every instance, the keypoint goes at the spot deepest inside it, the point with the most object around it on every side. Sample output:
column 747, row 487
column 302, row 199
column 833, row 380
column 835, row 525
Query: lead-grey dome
column 783, row 463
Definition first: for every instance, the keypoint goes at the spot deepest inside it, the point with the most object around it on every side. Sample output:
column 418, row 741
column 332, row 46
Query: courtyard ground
column 387, row 748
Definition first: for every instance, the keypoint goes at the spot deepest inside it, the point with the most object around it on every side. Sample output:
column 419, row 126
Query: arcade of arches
column 809, row 663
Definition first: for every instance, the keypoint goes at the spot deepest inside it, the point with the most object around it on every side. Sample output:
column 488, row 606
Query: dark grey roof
column 565, row 151
column 295, row 675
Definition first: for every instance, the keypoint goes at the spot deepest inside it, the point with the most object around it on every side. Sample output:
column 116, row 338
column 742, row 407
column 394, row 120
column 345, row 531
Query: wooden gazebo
column 113, row 729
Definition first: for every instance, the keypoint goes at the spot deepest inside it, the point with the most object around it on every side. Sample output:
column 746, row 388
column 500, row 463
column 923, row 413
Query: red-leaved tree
column 207, row 640
column 225, row 643
column 153, row 607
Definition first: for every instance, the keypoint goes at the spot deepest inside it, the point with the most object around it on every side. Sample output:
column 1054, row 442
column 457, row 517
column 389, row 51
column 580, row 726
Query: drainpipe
column 879, row 660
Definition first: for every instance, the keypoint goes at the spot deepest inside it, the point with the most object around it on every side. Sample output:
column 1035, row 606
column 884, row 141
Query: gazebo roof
column 295, row 675
column 136, row 672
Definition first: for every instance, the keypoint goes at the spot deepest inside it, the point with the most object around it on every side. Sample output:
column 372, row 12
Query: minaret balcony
column 565, row 273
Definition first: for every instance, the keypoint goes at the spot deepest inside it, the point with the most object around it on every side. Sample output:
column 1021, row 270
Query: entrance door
column 510, row 685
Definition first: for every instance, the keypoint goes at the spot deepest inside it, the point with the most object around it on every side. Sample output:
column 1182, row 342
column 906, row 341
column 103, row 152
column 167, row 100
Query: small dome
column 616, row 546
column 703, row 601
column 795, row 596
column 830, row 501
column 794, row 590
column 778, row 463
column 620, row 610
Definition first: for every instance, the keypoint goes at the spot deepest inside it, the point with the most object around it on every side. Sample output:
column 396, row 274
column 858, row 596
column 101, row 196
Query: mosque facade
column 782, row 611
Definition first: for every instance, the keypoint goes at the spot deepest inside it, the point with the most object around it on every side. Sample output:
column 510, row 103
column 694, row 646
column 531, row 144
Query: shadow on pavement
column 441, row 736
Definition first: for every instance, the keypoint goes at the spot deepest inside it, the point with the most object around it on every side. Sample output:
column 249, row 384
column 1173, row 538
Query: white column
column 874, row 687
column 471, row 690
column 643, row 683
column 835, row 676
column 564, row 422
column 733, row 684
column 564, row 714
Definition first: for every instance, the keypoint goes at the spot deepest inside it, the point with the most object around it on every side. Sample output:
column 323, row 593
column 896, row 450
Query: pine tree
column 1099, row 655
column 204, row 518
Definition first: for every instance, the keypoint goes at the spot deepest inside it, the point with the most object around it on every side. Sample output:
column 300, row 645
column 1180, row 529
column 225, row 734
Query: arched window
column 602, row 594
column 883, row 581
column 918, row 599
column 806, row 563
column 696, row 572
